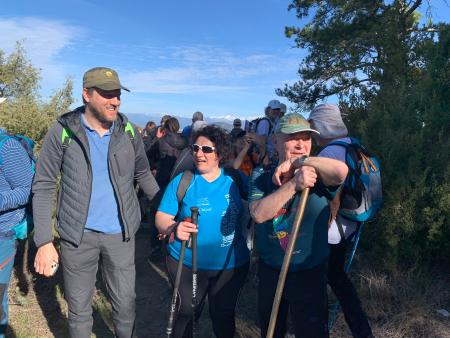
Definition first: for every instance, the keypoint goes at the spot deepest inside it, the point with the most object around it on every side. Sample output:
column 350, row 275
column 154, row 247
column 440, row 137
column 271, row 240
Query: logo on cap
column 108, row 73
column 295, row 120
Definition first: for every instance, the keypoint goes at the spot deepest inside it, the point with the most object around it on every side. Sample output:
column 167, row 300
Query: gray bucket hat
column 327, row 120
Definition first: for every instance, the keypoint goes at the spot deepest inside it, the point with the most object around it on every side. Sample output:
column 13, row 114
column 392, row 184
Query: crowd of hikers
column 207, row 195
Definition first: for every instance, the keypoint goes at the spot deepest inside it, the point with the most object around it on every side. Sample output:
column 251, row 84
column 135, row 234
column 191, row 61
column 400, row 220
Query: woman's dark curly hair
column 220, row 138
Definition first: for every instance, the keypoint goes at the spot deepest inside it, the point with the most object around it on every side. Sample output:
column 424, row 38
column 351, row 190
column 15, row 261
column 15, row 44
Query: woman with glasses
column 223, row 257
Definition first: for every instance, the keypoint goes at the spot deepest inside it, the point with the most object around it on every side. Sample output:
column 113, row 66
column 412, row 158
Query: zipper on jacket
column 126, row 228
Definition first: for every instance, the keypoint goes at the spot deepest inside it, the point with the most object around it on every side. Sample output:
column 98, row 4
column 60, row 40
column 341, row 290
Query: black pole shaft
column 173, row 304
column 286, row 261
column 194, row 217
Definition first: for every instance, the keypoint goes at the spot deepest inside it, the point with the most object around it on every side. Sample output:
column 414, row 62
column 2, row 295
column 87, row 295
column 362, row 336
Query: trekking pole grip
column 194, row 219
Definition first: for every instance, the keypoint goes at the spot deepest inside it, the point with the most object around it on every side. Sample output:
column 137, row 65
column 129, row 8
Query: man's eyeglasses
column 205, row 149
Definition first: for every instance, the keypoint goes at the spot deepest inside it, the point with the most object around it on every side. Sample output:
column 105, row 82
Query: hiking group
column 207, row 195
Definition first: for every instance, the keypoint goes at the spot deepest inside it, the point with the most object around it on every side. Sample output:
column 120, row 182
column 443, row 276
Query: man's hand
column 46, row 257
column 305, row 177
column 184, row 230
column 283, row 173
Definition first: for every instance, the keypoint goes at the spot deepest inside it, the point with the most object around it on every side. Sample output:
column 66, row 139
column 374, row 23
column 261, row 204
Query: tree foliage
column 25, row 112
column 392, row 79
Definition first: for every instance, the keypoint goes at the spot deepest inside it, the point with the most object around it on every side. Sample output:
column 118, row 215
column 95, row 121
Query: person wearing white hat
column 265, row 127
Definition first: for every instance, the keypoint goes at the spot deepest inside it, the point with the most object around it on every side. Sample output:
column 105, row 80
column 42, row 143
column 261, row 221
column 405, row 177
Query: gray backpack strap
column 184, row 153
column 185, row 181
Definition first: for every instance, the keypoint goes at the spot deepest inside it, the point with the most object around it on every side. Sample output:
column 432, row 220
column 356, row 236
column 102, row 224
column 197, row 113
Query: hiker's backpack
column 253, row 124
column 26, row 226
column 361, row 195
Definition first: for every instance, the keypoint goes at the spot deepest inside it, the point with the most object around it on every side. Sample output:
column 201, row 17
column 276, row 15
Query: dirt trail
column 38, row 310
column 43, row 312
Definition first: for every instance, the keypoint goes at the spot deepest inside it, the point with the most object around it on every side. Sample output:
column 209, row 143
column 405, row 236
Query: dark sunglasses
column 205, row 149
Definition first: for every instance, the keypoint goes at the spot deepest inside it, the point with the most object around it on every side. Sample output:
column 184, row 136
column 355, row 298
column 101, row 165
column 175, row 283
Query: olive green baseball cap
column 293, row 123
column 103, row 78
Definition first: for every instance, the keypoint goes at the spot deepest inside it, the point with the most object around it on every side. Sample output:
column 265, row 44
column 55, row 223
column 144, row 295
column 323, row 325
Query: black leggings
column 222, row 288
column 345, row 291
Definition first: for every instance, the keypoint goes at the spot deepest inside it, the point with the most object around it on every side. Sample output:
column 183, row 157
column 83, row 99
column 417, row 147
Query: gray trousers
column 80, row 266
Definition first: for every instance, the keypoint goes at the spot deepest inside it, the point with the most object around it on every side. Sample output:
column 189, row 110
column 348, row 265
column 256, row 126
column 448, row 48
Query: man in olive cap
column 274, row 199
column 98, row 154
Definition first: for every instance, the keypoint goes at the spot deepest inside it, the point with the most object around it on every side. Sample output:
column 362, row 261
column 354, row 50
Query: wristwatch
column 299, row 162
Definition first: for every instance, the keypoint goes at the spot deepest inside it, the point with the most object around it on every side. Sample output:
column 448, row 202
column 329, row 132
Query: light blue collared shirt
column 103, row 215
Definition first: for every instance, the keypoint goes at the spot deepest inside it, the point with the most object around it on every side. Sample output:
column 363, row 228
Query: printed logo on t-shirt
column 204, row 205
column 230, row 218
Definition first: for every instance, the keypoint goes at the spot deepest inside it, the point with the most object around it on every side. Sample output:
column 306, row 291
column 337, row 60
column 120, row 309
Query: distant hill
column 142, row 119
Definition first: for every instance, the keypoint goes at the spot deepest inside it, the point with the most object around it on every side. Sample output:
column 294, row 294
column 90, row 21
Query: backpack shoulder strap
column 258, row 120
column 338, row 143
column 185, row 181
column 66, row 137
column 184, row 154
column 130, row 130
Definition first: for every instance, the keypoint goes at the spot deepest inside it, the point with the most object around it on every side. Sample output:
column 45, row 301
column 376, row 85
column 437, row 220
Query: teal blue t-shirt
column 220, row 243
column 311, row 248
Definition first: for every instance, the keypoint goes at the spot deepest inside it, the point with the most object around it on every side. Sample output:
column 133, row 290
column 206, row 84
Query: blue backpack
column 361, row 195
column 26, row 226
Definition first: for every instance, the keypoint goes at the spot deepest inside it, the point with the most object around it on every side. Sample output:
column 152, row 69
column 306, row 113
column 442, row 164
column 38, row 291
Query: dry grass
column 401, row 305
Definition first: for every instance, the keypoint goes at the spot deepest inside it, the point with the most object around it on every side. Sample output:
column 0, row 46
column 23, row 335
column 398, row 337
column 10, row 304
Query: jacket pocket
column 124, row 161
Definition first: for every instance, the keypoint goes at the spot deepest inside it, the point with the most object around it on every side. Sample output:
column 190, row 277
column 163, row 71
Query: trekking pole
column 194, row 217
column 286, row 261
column 173, row 304
column 334, row 311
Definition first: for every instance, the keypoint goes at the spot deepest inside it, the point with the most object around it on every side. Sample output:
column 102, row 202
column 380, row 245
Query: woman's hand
column 184, row 230
column 160, row 132
column 249, row 137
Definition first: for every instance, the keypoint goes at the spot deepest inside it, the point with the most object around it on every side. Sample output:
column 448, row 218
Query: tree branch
column 413, row 7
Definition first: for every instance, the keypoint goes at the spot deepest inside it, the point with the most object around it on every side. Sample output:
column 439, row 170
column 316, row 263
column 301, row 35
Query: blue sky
column 223, row 57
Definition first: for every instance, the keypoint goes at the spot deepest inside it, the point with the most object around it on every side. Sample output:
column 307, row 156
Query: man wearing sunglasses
column 274, row 199
column 98, row 154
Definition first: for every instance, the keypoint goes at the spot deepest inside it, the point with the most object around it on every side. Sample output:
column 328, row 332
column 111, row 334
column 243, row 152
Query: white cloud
column 203, row 68
column 43, row 40
column 147, row 69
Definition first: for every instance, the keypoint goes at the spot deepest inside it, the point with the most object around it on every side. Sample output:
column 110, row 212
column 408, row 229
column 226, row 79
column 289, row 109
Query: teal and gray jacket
column 69, row 158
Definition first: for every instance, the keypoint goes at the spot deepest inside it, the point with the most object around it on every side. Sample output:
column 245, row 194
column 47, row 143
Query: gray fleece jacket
column 127, row 162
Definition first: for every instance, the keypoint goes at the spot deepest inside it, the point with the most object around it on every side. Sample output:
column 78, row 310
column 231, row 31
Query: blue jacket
column 16, row 177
